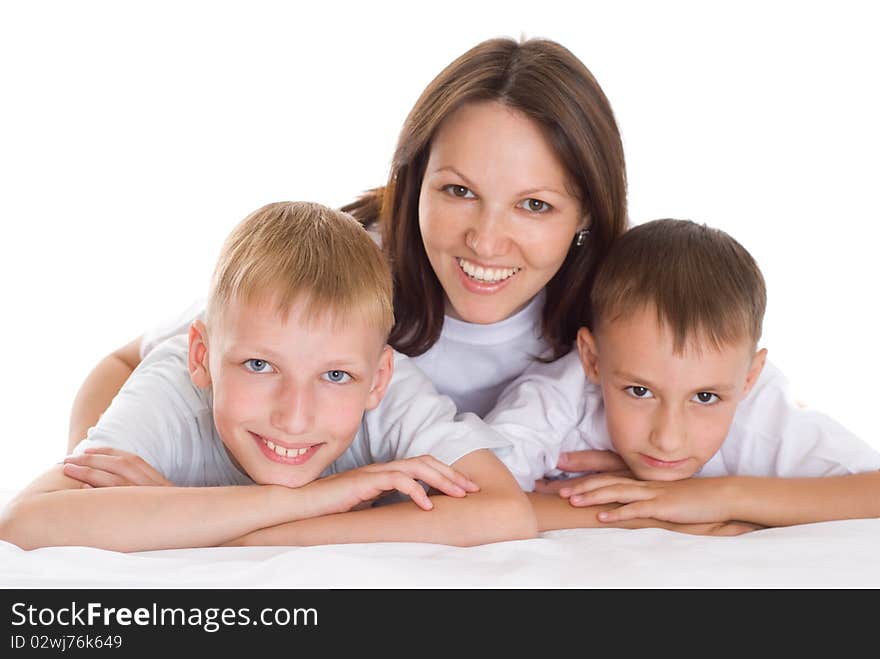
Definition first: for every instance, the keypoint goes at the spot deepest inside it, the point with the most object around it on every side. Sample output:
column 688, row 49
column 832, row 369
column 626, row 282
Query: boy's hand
column 688, row 501
column 352, row 488
column 596, row 461
column 108, row 467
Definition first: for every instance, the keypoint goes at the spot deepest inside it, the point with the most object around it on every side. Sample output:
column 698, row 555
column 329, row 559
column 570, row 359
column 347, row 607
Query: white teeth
column 284, row 452
column 490, row 275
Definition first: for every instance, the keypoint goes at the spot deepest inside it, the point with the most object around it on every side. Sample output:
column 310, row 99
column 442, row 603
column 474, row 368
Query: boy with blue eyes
column 676, row 386
column 277, row 420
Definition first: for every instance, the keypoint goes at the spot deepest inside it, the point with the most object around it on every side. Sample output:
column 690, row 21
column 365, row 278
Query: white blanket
column 840, row 554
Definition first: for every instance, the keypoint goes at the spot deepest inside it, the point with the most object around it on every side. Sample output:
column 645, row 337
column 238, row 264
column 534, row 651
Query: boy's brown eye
column 639, row 392
column 706, row 397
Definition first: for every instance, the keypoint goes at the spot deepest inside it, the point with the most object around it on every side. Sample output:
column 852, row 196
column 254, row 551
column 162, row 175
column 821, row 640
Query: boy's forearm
column 554, row 512
column 147, row 518
column 499, row 511
column 788, row 501
column 472, row 520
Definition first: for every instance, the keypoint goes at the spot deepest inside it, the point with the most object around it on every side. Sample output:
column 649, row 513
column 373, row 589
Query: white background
column 133, row 136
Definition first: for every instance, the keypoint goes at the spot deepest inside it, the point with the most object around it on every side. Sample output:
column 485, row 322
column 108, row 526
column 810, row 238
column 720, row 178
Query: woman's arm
column 99, row 388
column 499, row 511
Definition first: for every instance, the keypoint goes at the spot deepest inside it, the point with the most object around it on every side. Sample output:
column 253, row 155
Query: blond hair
column 701, row 282
column 291, row 252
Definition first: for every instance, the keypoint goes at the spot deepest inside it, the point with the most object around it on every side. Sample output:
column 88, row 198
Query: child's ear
column 198, row 355
column 381, row 378
column 755, row 369
column 586, row 345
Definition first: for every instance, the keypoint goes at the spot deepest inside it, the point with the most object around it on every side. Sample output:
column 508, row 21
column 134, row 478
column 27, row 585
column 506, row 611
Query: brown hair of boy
column 701, row 282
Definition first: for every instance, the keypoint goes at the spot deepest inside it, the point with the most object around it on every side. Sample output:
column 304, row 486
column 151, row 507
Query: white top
column 470, row 363
column 553, row 408
column 168, row 421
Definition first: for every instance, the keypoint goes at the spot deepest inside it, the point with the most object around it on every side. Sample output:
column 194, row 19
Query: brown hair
column 290, row 251
column 548, row 84
column 700, row 281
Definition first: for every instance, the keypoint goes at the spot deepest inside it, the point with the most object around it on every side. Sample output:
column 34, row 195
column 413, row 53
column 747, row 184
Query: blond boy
column 282, row 407
column 677, row 387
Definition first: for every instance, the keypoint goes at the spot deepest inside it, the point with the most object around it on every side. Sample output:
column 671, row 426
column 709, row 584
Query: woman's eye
column 337, row 377
column 459, row 191
column 258, row 366
column 535, row 205
column 705, row 398
column 639, row 392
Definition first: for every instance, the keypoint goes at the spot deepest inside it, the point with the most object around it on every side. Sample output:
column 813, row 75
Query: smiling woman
column 495, row 235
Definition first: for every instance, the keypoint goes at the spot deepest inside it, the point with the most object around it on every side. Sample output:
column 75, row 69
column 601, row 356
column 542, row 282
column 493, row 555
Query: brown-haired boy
column 279, row 409
column 676, row 386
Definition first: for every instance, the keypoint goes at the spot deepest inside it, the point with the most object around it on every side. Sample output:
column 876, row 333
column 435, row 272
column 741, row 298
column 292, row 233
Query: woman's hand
column 574, row 461
column 352, row 489
column 109, row 467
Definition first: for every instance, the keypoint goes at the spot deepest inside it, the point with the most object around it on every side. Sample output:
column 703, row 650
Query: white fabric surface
column 839, row 554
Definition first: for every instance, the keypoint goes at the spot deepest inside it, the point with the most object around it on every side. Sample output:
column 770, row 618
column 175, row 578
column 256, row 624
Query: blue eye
column 258, row 366
column 535, row 205
column 337, row 377
column 639, row 392
column 705, row 398
column 459, row 191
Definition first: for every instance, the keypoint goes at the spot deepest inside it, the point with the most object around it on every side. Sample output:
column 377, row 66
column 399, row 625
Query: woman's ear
column 586, row 345
column 197, row 360
column 381, row 378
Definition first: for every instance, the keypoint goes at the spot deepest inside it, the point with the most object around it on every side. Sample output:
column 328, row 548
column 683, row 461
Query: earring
column 581, row 237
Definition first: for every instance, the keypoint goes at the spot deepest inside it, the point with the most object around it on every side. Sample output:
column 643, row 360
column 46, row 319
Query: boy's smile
column 667, row 413
column 289, row 391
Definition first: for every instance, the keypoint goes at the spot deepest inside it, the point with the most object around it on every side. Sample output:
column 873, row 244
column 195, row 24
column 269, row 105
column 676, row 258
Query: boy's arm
column 56, row 510
column 769, row 501
column 554, row 513
column 499, row 511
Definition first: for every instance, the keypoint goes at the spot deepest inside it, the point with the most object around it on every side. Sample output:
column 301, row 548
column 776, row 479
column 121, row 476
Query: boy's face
column 667, row 413
column 289, row 395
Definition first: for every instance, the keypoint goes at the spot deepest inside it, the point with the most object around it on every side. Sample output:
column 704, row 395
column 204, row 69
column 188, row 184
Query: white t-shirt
column 168, row 421
column 470, row 363
column 553, row 408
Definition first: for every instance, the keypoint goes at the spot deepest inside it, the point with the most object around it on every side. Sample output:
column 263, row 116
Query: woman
column 506, row 189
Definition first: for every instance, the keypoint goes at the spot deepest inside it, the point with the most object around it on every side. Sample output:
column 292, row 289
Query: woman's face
column 497, row 211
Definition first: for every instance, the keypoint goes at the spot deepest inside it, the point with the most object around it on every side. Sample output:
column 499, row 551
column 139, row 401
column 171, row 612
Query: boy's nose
column 488, row 238
column 669, row 433
column 293, row 411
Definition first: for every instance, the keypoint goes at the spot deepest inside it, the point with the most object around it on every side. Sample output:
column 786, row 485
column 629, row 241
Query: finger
column 436, row 479
column 406, row 485
column 586, row 484
column 736, row 528
column 637, row 510
column 621, row 493
column 455, row 476
column 111, row 464
column 590, row 461
column 94, row 477
column 429, row 471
